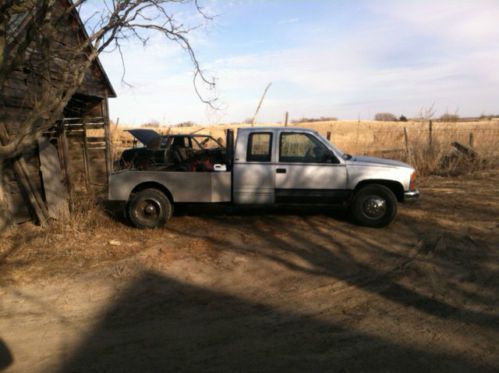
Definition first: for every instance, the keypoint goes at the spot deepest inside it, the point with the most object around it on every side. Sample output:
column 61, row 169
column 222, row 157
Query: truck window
column 259, row 147
column 205, row 142
column 302, row 148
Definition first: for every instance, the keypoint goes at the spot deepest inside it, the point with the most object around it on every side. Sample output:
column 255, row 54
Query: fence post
column 328, row 135
column 430, row 134
column 407, row 150
column 286, row 116
column 471, row 140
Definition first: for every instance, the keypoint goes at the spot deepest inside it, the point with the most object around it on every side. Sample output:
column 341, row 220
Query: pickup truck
column 268, row 165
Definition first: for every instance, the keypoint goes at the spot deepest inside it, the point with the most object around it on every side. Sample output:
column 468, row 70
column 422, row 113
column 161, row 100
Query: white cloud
column 408, row 55
column 288, row 21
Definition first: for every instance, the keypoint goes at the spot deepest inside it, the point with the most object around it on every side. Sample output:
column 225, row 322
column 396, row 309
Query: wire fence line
column 369, row 139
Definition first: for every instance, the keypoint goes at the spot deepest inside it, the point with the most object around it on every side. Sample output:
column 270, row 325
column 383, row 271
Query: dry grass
column 384, row 139
column 90, row 237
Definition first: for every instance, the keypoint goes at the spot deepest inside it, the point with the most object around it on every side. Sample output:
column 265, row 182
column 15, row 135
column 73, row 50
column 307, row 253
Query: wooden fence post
column 407, row 149
column 471, row 140
column 328, row 135
column 430, row 134
column 286, row 117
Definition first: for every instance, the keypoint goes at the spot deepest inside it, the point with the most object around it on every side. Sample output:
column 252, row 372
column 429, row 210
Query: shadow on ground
column 362, row 257
column 6, row 358
column 159, row 324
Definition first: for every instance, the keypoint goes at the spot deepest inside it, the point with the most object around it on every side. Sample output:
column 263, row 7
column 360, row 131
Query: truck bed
column 189, row 187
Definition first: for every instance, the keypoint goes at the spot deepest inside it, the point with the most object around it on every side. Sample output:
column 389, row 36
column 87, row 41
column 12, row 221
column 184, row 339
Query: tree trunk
column 5, row 217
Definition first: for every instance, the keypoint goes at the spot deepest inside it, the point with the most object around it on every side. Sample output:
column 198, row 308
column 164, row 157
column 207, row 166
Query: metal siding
column 184, row 186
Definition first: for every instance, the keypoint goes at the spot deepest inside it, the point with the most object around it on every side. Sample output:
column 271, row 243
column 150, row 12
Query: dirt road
column 237, row 290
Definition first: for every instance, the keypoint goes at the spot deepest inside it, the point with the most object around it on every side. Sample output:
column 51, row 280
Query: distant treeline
column 381, row 117
column 447, row 117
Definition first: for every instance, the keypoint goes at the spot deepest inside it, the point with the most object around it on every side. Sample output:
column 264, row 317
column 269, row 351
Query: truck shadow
column 161, row 325
column 6, row 358
column 337, row 212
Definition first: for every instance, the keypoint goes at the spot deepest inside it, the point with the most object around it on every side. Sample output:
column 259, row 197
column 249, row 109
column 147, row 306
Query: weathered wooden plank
column 67, row 168
column 96, row 139
column 86, row 160
column 52, row 177
column 107, row 135
column 31, row 193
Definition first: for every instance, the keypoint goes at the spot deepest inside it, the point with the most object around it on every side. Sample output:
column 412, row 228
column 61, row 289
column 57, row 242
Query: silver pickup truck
column 266, row 165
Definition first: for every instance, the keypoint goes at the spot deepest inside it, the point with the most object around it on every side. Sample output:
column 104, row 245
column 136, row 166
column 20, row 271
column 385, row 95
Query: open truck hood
column 150, row 138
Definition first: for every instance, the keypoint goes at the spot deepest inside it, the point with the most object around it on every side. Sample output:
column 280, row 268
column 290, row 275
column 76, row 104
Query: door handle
column 280, row 171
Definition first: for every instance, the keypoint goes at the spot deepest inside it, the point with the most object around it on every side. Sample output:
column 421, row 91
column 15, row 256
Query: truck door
column 253, row 170
column 307, row 170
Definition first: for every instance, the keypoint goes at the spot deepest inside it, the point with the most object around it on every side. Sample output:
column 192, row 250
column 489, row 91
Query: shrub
column 311, row 120
column 403, row 118
column 186, row 124
column 151, row 124
column 449, row 117
column 488, row 116
column 385, row 117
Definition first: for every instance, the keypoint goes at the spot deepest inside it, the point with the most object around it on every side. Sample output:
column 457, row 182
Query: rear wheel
column 374, row 206
column 149, row 208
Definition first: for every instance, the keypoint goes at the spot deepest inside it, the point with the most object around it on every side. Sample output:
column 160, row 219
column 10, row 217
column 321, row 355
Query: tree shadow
column 159, row 325
column 360, row 257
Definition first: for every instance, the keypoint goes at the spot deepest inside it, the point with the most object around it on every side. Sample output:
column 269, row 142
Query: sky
column 337, row 58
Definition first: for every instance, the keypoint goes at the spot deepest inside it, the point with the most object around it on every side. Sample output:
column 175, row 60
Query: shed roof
column 21, row 20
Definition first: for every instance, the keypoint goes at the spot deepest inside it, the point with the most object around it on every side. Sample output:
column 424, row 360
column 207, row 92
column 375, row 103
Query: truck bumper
column 412, row 195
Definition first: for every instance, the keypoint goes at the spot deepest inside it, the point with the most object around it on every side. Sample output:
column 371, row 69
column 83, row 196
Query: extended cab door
column 307, row 171
column 253, row 169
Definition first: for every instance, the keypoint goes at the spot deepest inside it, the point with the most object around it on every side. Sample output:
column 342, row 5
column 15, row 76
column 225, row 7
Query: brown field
column 259, row 289
column 383, row 139
column 224, row 289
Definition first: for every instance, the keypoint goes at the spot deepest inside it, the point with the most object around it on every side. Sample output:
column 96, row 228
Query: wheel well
column 394, row 186
column 153, row 185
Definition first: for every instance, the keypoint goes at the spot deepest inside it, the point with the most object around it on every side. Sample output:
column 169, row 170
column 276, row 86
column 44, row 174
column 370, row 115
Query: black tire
column 374, row 206
column 149, row 208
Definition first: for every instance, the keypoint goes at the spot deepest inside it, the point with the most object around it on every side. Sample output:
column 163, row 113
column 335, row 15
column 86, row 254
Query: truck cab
column 271, row 165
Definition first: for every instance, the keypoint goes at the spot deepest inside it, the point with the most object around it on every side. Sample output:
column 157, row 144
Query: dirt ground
column 295, row 289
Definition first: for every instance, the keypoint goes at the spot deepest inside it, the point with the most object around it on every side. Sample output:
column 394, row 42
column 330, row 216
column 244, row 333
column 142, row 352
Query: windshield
column 337, row 150
column 205, row 142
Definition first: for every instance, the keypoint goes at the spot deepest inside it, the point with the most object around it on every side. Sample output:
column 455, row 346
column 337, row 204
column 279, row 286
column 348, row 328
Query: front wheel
column 149, row 208
column 374, row 206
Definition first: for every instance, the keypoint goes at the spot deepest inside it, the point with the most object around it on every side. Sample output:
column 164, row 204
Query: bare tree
column 450, row 117
column 426, row 113
column 253, row 120
column 34, row 44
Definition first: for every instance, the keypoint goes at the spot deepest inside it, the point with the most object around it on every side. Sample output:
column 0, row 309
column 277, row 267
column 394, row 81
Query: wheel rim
column 148, row 210
column 374, row 207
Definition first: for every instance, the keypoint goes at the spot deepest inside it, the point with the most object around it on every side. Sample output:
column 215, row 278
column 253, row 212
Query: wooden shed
column 73, row 158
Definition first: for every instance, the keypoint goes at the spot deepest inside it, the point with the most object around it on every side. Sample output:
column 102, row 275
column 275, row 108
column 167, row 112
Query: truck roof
column 275, row 128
